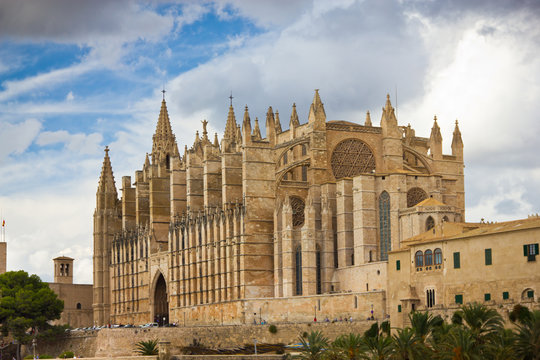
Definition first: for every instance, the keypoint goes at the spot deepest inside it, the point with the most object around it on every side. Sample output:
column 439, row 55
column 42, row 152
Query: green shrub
column 29, row 357
column 148, row 347
column 66, row 355
column 272, row 328
column 45, row 356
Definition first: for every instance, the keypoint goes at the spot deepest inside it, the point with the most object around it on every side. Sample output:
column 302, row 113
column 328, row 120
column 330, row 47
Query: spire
column 435, row 131
column 270, row 126
column 317, row 115
column 278, row 123
column 216, row 140
column 389, row 121
column 246, row 126
column 163, row 139
column 435, row 141
column 294, row 117
column 106, row 179
column 368, row 120
column 257, row 130
column 230, row 126
column 457, row 143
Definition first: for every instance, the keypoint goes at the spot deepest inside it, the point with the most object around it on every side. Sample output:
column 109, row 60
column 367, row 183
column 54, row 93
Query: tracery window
column 298, row 207
column 415, row 195
column 430, row 223
column 384, row 225
column 419, row 259
column 304, row 151
column 430, row 298
column 298, row 270
column 438, row 256
column 352, row 157
column 304, row 173
column 428, row 256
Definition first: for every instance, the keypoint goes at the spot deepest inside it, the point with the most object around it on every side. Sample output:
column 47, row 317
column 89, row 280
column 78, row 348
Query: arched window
column 298, row 270
column 298, row 207
column 304, row 151
column 168, row 162
column 319, row 270
column 438, row 256
column 415, row 195
column 430, row 223
column 430, row 298
column 384, row 225
column 304, row 173
column 352, row 157
column 285, row 158
column 428, row 256
column 445, row 219
column 419, row 259
column 79, row 307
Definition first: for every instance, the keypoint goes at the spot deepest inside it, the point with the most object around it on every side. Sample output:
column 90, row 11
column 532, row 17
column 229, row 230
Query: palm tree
column 351, row 346
column 501, row 345
column 313, row 345
column 481, row 320
column 378, row 347
column 406, row 345
column 148, row 347
column 423, row 324
column 527, row 345
column 459, row 344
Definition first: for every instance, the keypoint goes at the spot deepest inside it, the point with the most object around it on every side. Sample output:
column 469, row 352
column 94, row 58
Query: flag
column 3, row 222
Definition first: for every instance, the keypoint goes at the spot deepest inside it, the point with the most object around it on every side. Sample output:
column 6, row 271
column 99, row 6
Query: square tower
column 63, row 270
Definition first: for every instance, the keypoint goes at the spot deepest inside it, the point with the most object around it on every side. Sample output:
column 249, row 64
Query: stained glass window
column 384, row 225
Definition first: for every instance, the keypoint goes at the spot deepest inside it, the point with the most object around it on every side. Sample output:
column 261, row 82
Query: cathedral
column 289, row 227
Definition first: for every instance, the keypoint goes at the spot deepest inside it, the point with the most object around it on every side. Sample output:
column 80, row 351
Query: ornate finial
column 387, row 96
column 204, row 123
column 231, row 97
column 435, row 118
column 163, row 91
column 107, row 150
column 456, row 122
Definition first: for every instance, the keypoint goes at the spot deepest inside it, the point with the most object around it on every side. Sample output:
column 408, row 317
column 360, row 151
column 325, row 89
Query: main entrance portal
column 161, row 306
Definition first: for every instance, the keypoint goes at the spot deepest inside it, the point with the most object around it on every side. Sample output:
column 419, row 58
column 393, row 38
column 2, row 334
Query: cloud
column 70, row 96
column 82, row 143
column 16, row 137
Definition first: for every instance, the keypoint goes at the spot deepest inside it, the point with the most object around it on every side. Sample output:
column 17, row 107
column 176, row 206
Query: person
column 350, row 318
column 327, row 320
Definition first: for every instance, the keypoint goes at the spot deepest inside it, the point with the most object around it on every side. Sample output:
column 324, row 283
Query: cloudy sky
column 78, row 75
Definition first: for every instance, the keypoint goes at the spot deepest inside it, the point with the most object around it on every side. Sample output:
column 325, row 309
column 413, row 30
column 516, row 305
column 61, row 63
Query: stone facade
column 77, row 298
column 494, row 264
column 306, row 212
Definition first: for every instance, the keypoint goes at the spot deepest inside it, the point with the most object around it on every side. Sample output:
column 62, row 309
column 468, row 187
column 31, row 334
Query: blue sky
column 78, row 75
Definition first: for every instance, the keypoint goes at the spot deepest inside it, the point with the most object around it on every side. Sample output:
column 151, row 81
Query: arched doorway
column 161, row 305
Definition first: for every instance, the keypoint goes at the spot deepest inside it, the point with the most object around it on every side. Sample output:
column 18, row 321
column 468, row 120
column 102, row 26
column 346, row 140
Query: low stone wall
column 121, row 342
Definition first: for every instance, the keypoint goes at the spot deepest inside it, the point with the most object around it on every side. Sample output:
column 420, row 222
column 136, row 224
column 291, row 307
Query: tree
column 26, row 303
column 527, row 345
column 313, row 345
column 482, row 321
column 424, row 323
column 351, row 346
column 407, row 345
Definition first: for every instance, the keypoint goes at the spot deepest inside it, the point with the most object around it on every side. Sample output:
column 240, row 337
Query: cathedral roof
column 430, row 202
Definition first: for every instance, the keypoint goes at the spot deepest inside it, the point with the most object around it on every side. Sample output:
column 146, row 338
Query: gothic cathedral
column 271, row 228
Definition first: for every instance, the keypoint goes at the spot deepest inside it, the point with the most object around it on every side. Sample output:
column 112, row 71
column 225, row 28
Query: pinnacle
column 317, row 99
column 106, row 179
column 230, row 126
column 368, row 119
column 294, row 116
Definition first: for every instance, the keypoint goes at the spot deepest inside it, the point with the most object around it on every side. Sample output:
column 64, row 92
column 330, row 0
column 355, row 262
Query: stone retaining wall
column 121, row 342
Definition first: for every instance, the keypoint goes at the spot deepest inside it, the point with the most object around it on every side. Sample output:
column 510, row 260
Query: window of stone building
column 527, row 294
column 398, row 265
column 487, row 297
column 384, row 225
column 530, row 250
column 304, row 173
column 505, row 295
column 487, row 256
column 304, row 150
column 399, row 308
column 298, row 207
column 445, row 219
column 168, row 162
column 428, row 256
column 430, row 223
column 319, row 270
column 438, row 256
column 285, row 158
column 457, row 260
column 430, row 298
column 298, row 270
column 183, row 241
column 79, row 307
column 459, row 299
column 352, row 157
column 356, row 302
column 352, row 259
column 419, row 259
column 61, row 269
column 415, row 195
column 67, row 270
